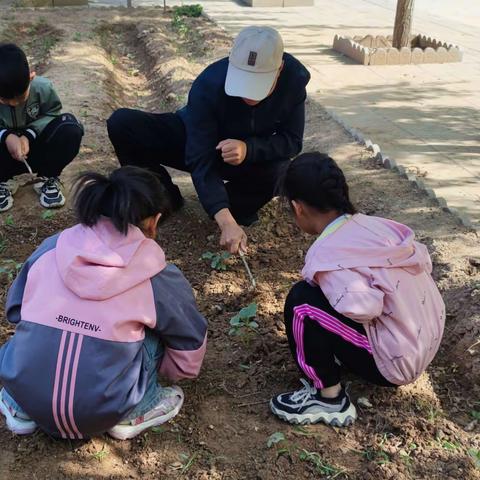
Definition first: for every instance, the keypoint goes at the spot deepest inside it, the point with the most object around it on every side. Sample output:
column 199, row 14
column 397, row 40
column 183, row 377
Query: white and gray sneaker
column 7, row 191
column 308, row 406
column 168, row 407
column 50, row 192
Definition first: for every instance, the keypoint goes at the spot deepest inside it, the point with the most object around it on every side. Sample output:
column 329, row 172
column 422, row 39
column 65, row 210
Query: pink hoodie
column 373, row 271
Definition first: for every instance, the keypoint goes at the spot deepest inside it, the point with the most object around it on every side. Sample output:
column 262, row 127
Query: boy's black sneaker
column 308, row 406
column 7, row 190
column 50, row 192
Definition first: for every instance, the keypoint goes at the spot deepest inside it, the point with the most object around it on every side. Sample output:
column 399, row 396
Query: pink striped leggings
column 317, row 334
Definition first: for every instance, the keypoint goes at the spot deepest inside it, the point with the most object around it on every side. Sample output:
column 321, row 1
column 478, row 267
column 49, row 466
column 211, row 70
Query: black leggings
column 317, row 334
column 50, row 153
column 157, row 140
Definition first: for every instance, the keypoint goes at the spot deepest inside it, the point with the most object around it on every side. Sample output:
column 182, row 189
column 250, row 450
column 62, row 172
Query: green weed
column 100, row 455
column 275, row 438
column 217, row 260
column 243, row 323
column 321, row 466
column 10, row 268
column 9, row 220
column 47, row 214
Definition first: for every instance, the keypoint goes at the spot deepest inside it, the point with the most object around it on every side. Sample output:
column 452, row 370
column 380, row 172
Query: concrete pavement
column 426, row 117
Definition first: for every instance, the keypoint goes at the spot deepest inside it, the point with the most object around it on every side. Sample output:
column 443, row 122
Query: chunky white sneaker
column 308, row 406
column 167, row 408
column 7, row 191
column 50, row 192
column 16, row 424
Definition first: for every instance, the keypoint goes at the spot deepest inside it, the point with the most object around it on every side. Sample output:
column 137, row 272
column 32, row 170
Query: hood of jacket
column 366, row 241
column 98, row 263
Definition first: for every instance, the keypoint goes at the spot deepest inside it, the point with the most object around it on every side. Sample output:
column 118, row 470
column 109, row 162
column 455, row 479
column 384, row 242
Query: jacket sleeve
column 352, row 293
column 181, row 327
column 15, row 293
column 286, row 142
column 201, row 154
column 4, row 131
column 50, row 107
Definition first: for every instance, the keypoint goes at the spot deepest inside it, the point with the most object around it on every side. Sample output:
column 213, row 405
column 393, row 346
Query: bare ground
column 100, row 60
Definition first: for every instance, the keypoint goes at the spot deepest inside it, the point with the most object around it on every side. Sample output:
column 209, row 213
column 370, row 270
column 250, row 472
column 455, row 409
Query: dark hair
column 14, row 71
column 315, row 178
column 127, row 196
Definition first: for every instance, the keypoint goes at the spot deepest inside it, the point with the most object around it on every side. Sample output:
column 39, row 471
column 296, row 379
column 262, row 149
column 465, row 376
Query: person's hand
column 25, row 146
column 15, row 147
column 233, row 151
column 232, row 238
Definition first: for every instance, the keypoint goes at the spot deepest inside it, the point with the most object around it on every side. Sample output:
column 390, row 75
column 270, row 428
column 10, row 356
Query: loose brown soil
column 105, row 59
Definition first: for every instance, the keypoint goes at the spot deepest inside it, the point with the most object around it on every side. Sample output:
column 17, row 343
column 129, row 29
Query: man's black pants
column 153, row 141
column 50, row 153
column 317, row 334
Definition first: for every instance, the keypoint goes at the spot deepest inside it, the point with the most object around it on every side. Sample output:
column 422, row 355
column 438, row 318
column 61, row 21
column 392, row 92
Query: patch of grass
column 178, row 21
column 77, row 37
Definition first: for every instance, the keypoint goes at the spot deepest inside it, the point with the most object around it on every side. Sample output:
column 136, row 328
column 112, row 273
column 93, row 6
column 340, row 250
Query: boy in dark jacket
column 244, row 120
column 34, row 134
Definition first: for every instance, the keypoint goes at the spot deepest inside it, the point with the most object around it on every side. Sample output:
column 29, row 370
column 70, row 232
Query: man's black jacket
column 272, row 130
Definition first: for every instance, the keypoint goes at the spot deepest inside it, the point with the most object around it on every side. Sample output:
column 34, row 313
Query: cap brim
column 254, row 86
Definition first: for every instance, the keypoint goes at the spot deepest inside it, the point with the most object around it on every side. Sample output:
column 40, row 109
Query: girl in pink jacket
column 367, row 301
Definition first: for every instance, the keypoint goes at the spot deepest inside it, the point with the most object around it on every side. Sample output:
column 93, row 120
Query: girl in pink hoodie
column 98, row 313
column 367, row 301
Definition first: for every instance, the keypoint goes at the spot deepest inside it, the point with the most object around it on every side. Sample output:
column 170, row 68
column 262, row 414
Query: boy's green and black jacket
column 30, row 118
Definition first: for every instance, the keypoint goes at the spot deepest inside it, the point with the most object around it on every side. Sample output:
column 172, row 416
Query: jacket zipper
column 14, row 118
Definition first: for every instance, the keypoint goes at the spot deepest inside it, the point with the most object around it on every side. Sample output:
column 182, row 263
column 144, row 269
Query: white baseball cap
column 254, row 61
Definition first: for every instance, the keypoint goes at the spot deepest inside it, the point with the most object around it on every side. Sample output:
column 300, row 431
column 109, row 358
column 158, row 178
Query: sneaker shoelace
column 303, row 395
column 51, row 184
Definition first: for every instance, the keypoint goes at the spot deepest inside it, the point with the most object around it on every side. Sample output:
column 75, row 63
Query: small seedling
column 3, row 245
column 275, row 438
column 10, row 268
column 185, row 463
column 47, row 214
column 243, row 323
column 217, row 260
column 475, row 454
column 9, row 221
column 77, row 37
column 158, row 430
column 100, row 455
column 320, row 465
column 474, row 413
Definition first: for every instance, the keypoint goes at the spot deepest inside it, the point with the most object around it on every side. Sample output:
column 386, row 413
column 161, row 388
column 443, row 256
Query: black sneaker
column 308, row 406
column 7, row 190
column 50, row 191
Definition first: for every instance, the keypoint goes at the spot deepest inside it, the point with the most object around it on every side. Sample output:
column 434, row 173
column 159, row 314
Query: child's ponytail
column 315, row 178
column 127, row 196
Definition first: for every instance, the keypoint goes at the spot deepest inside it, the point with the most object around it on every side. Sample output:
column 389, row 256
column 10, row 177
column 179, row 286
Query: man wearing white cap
column 244, row 120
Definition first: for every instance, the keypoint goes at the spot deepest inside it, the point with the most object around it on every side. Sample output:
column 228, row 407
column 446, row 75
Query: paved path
column 426, row 117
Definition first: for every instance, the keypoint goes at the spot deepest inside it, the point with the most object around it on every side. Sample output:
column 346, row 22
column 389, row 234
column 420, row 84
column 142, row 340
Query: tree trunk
column 403, row 23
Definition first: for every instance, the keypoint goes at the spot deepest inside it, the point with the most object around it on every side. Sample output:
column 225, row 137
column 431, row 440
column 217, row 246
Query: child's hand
column 25, row 146
column 15, row 147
